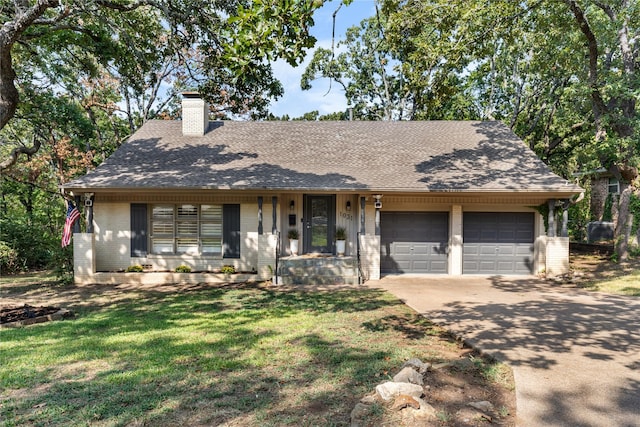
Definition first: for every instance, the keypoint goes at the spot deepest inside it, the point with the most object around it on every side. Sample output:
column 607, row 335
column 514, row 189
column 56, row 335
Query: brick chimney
column 195, row 114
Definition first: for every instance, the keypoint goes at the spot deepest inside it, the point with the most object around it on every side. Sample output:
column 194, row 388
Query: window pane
column 159, row 228
column 163, row 212
column 188, row 212
column 188, row 246
column 187, row 228
column 208, row 229
column 212, row 246
column 162, row 246
column 211, row 212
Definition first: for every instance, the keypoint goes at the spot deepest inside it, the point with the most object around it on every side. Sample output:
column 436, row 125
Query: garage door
column 498, row 243
column 414, row 242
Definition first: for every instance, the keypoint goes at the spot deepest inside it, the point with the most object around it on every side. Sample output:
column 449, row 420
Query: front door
column 319, row 222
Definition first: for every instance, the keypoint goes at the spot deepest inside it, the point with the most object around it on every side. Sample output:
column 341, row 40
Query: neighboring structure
column 437, row 197
column 603, row 186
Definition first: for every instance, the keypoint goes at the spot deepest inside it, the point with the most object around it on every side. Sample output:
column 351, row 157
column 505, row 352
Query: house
column 431, row 197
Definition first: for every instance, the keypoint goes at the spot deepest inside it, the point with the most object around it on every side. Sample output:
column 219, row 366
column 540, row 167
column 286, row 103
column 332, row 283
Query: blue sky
column 295, row 101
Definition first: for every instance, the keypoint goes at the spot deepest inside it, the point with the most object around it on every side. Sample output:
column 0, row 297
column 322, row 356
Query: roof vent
column 195, row 114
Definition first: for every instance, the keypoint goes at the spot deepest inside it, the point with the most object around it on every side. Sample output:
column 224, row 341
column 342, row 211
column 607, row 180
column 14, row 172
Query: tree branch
column 599, row 106
column 15, row 153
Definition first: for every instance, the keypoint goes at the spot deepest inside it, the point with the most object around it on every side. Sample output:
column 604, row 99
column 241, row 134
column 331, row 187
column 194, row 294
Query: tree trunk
column 8, row 92
column 624, row 225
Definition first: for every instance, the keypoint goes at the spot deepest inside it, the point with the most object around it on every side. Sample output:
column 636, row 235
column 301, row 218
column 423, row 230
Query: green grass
column 205, row 355
column 623, row 285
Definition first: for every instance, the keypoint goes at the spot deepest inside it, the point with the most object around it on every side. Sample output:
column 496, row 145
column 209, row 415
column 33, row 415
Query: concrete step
column 322, row 270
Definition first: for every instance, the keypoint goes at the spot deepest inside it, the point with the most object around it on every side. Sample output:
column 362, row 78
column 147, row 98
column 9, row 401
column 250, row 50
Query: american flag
column 72, row 215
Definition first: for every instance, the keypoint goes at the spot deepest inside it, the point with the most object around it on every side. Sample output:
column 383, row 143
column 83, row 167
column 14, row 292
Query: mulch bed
column 28, row 314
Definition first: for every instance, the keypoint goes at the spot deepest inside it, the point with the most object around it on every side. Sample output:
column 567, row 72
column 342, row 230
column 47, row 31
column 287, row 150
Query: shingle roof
column 428, row 156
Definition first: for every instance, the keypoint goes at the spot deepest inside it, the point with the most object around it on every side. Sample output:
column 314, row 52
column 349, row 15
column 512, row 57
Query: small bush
column 183, row 269
column 292, row 234
column 135, row 269
column 228, row 269
column 9, row 261
column 62, row 265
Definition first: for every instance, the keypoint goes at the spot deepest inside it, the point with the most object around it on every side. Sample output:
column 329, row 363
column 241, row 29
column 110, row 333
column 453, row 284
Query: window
column 614, row 186
column 186, row 229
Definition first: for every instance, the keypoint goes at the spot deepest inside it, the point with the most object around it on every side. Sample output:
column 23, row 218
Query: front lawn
column 233, row 355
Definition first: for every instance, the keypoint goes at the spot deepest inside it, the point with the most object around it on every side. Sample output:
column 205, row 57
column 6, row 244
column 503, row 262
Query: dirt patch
column 15, row 314
column 593, row 265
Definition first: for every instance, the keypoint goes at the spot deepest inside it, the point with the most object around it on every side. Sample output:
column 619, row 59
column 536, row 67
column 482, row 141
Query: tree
column 371, row 78
column 563, row 74
column 138, row 41
column 611, row 32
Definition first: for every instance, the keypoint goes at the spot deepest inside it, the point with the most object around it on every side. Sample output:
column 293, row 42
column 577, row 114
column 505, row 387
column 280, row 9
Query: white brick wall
column 557, row 256
column 370, row 256
column 113, row 242
column 195, row 116
column 455, row 247
column 83, row 258
column 266, row 255
column 112, row 236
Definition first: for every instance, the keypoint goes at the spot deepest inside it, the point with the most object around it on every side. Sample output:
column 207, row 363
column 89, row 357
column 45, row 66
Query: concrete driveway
column 575, row 354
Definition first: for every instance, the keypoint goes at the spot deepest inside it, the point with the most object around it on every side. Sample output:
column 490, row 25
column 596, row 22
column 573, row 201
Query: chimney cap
column 191, row 94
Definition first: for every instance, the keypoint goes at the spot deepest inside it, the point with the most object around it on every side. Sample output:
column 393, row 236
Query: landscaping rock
column 359, row 414
column 417, row 364
column 417, row 417
column 403, row 401
column 368, row 400
column 389, row 390
column 483, row 406
column 408, row 375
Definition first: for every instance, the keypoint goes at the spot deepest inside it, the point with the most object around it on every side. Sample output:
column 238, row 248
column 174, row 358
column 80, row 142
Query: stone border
column 63, row 313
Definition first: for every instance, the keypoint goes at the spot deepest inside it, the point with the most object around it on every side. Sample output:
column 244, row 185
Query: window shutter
column 231, row 231
column 138, row 229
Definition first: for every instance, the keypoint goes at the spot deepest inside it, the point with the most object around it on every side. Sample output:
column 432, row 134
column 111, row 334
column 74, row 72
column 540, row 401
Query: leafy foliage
column 183, row 269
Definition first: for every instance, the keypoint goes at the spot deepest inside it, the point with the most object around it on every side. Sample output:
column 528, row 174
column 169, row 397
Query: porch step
column 304, row 270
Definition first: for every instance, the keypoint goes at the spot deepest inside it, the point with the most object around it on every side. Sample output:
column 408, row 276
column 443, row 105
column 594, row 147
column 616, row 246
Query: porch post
column 362, row 216
column 274, row 203
column 88, row 204
column 551, row 218
column 565, row 219
column 260, row 228
column 76, row 224
column 377, row 221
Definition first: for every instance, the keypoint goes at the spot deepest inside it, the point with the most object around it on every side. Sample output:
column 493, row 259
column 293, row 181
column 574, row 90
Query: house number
column 346, row 215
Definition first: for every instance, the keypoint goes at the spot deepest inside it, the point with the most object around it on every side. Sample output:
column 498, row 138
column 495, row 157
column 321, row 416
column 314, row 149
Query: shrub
column 341, row 233
column 292, row 234
column 135, row 269
column 9, row 262
column 183, row 269
column 228, row 269
column 62, row 265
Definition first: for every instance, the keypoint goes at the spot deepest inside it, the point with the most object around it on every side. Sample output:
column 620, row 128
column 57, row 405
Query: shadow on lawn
column 200, row 355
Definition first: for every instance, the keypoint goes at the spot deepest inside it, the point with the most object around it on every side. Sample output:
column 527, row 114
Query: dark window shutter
column 231, row 231
column 138, row 229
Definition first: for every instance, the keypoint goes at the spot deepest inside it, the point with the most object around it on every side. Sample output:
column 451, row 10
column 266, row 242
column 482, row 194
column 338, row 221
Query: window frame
column 182, row 229
column 613, row 182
